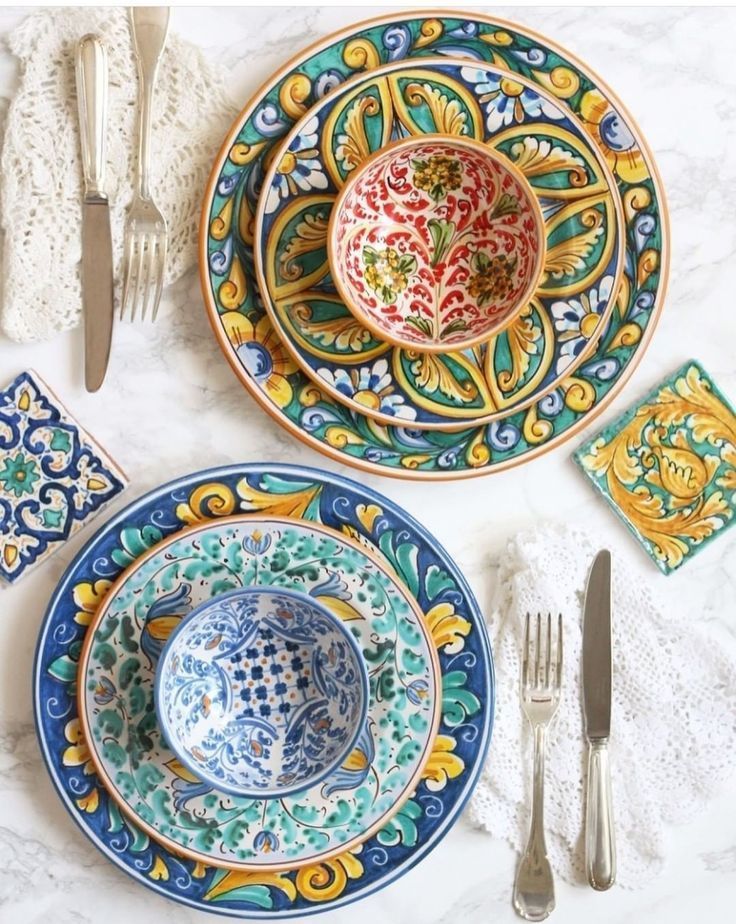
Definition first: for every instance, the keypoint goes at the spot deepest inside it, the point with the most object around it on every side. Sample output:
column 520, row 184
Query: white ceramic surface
column 674, row 70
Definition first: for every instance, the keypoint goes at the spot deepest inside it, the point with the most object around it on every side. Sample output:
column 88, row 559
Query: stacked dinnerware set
column 432, row 246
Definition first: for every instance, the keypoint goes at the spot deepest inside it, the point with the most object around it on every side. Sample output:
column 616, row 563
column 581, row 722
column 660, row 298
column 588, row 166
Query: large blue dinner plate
column 457, row 630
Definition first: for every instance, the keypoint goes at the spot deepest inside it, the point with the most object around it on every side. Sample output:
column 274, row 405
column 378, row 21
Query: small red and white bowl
column 436, row 243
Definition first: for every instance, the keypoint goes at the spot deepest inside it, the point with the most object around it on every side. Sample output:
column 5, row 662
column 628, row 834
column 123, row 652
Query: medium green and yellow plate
column 564, row 171
column 268, row 370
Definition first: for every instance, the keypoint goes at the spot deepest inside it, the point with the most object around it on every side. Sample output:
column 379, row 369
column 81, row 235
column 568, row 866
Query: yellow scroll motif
column 448, row 628
column 205, row 502
column 325, row 881
column 233, row 291
column 294, row 95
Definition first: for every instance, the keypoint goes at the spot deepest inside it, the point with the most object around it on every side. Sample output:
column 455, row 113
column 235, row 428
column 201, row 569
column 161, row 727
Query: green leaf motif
column 442, row 232
column 506, row 205
column 402, row 829
column 114, row 753
column 110, row 722
column 137, row 700
column 134, row 543
column 148, row 778
column 457, row 702
column 436, row 581
column 63, row 669
column 129, row 669
column 370, row 256
column 421, row 324
column 404, row 559
column 106, row 655
column 453, row 327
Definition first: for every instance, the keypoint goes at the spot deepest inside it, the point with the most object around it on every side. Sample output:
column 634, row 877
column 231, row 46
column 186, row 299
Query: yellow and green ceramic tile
column 668, row 466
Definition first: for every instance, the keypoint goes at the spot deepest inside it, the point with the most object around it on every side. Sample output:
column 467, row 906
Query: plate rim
column 406, row 473
column 328, row 477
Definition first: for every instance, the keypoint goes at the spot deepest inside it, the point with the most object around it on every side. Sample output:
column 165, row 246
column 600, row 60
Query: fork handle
column 150, row 25
column 91, row 74
column 600, row 843
column 534, row 887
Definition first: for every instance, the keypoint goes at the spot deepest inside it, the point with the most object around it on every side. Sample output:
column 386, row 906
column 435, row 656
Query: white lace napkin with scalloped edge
column 673, row 717
column 41, row 181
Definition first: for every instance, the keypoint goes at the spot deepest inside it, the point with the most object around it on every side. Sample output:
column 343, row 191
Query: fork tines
column 543, row 652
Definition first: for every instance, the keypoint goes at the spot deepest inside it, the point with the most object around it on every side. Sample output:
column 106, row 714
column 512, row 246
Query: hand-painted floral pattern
column 668, row 466
column 371, row 386
column 298, row 169
column 261, row 692
column 523, row 424
column 208, row 565
column 583, row 226
column 492, row 277
column 457, row 630
column 578, row 320
column 53, row 476
column 403, row 253
column 614, row 137
column 507, row 101
column 387, row 272
column 437, row 175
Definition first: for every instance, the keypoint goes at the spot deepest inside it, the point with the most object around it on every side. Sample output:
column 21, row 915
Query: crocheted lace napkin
column 673, row 717
column 41, row 182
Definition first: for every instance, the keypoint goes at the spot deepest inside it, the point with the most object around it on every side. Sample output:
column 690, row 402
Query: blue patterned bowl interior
column 261, row 691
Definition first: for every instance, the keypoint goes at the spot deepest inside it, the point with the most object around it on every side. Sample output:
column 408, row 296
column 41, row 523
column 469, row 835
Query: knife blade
column 600, row 845
column 97, row 276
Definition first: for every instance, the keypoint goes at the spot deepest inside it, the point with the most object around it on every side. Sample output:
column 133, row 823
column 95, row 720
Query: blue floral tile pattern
column 53, row 476
column 668, row 466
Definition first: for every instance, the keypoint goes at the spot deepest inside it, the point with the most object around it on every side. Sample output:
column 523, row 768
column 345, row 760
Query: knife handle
column 600, row 843
column 92, row 103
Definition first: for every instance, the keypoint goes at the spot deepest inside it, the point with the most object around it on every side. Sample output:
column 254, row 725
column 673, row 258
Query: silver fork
column 541, row 679
column 145, row 227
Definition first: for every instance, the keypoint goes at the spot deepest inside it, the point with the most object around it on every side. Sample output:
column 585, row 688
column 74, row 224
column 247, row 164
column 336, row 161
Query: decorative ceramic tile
column 668, row 466
column 53, row 476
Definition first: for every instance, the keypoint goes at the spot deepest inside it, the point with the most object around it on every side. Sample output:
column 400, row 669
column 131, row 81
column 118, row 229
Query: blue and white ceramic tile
column 53, row 476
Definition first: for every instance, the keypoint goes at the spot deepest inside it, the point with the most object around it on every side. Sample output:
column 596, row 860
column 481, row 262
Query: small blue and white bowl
column 261, row 691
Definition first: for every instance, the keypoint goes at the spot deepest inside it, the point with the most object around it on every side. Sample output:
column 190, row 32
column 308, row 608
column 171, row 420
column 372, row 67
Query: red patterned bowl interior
column 436, row 243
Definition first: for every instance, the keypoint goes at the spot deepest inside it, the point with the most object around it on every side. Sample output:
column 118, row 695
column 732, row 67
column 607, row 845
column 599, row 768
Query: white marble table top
column 674, row 69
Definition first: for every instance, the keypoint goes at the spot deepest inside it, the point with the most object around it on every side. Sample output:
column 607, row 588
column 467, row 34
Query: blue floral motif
column 256, row 543
column 506, row 101
column 266, row 842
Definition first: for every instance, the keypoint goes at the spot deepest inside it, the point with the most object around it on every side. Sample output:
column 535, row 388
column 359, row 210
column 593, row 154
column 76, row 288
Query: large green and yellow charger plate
column 267, row 369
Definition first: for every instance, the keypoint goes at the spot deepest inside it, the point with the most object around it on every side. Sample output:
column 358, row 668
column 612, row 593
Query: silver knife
column 600, row 844
column 97, row 280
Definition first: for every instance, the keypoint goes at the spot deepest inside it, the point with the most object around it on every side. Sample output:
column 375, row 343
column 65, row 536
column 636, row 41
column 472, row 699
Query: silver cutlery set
column 145, row 228
column 541, row 686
